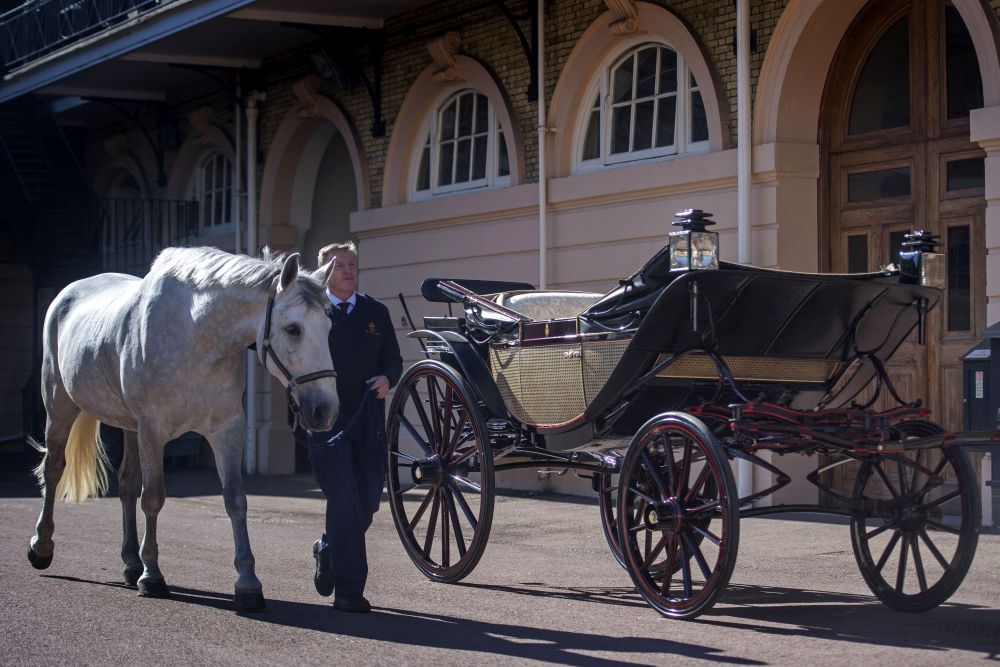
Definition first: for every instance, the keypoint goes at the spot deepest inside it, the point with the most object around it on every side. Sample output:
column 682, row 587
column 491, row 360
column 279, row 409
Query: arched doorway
column 895, row 155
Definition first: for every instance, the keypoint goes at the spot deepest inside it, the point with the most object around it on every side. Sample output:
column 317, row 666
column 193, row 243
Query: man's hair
column 327, row 251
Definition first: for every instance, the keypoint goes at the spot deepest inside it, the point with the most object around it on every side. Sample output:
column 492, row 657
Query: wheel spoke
column 466, row 510
column 651, row 555
column 943, row 499
column 698, row 483
column 463, row 456
column 698, row 509
column 698, row 556
column 432, row 393
column 669, row 565
column 671, row 464
column 453, row 513
column 404, row 489
column 888, row 551
column 933, row 549
column 402, row 455
column 885, row 480
column 642, row 495
column 446, row 415
column 418, row 403
column 686, row 570
column 420, row 510
column 708, row 535
column 901, row 472
column 466, row 483
column 685, row 470
column 654, row 473
column 416, row 436
column 918, row 564
column 881, row 529
column 445, row 539
column 904, row 548
column 944, row 527
column 432, row 524
column 649, row 545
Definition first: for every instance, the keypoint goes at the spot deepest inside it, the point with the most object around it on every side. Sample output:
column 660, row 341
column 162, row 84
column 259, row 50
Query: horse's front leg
column 129, row 484
column 151, row 583
column 227, row 444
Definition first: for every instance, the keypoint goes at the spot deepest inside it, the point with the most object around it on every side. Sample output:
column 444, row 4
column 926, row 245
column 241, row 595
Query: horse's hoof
column 38, row 562
column 153, row 588
column 251, row 601
column 132, row 575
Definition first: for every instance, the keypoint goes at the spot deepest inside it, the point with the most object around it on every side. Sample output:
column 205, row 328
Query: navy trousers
column 351, row 476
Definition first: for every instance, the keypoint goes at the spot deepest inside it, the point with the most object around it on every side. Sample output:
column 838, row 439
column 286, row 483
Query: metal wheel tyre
column 607, row 500
column 677, row 513
column 440, row 480
column 915, row 546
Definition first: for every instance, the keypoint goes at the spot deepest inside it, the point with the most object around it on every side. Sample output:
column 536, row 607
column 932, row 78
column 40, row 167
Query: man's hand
column 380, row 385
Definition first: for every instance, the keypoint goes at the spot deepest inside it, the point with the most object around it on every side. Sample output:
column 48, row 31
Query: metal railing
column 133, row 231
column 38, row 27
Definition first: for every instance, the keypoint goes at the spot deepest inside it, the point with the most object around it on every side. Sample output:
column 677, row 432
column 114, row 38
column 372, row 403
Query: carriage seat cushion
column 540, row 305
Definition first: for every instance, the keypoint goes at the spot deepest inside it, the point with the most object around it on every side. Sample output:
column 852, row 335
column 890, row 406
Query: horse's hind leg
column 129, row 484
column 227, row 445
column 61, row 415
column 150, row 449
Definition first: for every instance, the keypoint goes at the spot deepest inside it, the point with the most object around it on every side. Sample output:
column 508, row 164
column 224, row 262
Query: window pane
column 965, row 85
column 882, row 97
column 645, row 81
column 666, row 116
column 448, row 122
column 699, row 121
column 482, row 114
column 445, row 163
column 463, row 160
column 967, row 173
column 503, row 169
column 623, row 82
column 424, row 172
column 465, row 115
column 621, row 119
column 479, row 158
column 895, row 245
column 857, row 253
column 959, row 283
column 592, row 139
column 668, row 71
column 644, row 125
column 872, row 185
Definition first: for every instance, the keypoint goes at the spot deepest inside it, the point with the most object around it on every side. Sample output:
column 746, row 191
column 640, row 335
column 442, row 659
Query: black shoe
column 323, row 577
column 356, row 604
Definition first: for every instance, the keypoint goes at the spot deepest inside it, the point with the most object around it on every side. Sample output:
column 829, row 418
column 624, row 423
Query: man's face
column 343, row 278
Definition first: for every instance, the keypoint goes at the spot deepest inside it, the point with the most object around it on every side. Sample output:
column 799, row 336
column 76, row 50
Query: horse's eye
column 293, row 330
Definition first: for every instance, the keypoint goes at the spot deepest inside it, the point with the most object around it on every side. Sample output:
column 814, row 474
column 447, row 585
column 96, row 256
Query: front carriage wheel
column 916, row 539
column 440, row 472
column 678, row 514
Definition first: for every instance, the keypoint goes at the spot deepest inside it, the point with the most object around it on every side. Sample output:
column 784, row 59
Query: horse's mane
column 207, row 267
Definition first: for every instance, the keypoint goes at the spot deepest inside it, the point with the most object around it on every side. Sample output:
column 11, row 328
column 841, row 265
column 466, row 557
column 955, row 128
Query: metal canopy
column 138, row 59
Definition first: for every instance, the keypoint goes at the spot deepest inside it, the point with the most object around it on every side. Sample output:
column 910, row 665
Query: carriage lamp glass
column 693, row 247
column 918, row 263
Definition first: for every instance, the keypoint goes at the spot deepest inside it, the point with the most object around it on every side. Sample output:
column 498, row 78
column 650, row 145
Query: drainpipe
column 250, row 456
column 744, row 469
column 542, row 177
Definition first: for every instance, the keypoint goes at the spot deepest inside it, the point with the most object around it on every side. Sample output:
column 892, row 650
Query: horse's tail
column 86, row 472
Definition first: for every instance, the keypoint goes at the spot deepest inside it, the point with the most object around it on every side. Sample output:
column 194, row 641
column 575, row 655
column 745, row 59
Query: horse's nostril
column 320, row 413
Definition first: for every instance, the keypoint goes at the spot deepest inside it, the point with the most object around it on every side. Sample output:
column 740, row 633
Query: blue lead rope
column 361, row 409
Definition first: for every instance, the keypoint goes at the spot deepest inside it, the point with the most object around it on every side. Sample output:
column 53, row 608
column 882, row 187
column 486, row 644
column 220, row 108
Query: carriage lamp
column 918, row 263
column 693, row 247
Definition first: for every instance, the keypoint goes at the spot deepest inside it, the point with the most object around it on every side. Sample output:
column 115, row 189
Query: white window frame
column 205, row 195
column 682, row 118
column 429, row 134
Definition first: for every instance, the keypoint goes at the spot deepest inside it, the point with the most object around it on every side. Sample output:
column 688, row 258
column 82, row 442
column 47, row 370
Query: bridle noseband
column 267, row 350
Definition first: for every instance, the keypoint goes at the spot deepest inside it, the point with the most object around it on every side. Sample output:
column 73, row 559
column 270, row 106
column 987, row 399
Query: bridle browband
column 266, row 350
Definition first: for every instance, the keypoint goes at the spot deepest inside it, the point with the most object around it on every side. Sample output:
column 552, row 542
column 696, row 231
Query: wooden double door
column 896, row 156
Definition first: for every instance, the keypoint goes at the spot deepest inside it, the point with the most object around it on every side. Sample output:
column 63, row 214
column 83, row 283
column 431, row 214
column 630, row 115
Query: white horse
column 164, row 355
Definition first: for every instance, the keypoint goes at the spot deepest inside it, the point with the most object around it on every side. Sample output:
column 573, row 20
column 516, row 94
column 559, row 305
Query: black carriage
column 686, row 366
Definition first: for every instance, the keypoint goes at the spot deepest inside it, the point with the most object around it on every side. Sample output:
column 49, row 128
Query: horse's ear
column 322, row 274
column 289, row 272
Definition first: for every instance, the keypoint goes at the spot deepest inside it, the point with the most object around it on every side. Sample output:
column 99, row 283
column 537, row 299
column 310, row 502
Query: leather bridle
column 266, row 350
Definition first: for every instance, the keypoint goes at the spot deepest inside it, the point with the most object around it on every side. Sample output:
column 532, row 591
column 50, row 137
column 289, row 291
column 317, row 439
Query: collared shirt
column 353, row 300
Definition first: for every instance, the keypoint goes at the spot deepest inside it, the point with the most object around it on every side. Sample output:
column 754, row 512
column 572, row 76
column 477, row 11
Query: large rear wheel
column 440, row 480
column 916, row 539
column 678, row 514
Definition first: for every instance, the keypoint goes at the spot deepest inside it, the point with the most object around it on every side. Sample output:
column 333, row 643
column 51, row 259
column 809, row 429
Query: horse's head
column 293, row 343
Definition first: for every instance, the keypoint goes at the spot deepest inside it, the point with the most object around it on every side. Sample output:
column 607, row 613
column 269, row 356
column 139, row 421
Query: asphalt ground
column 546, row 591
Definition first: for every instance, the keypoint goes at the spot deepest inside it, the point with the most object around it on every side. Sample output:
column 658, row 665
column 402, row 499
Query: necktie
column 344, row 306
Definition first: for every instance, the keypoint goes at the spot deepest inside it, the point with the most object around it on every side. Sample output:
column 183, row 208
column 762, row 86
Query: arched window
column 646, row 104
column 464, row 147
column 212, row 188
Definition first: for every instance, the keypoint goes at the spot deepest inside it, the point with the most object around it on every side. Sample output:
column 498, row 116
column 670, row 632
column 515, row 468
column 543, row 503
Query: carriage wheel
column 911, row 554
column 677, row 513
column 440, row 472
column 607, row 500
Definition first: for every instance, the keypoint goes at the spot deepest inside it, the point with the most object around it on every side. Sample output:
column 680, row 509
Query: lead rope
column 347, row 429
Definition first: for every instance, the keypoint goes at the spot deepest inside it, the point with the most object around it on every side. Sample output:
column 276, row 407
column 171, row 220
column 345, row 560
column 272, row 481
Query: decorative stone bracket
column 201, row 121
column 307, row 92
column 626, row 17
column 443, row 50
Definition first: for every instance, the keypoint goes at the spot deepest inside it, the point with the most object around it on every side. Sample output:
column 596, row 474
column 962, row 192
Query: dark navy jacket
column 363, row 344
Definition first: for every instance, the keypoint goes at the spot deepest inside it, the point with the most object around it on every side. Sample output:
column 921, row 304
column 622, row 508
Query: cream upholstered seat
column 539, row 305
